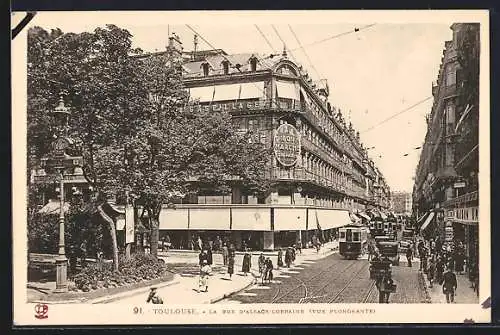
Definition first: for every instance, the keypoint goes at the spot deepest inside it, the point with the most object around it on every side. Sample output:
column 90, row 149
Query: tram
column 352, row 240
column 377, row 227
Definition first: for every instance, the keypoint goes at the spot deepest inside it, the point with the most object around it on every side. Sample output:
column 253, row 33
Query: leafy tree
column 102, row 86
column 133, row 132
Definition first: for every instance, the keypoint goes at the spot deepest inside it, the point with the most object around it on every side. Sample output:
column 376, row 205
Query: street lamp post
column 61, row 260
column 61, row 115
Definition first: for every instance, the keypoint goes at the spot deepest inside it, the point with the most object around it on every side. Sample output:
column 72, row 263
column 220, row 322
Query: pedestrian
column 288, row 257
column 200, row 243
column 280, row 258
column 409, row 255
column 293, row 253
column 203, row 256
column 217, row 243
column 153, row 297
column 431, row 271
column 247, row 263
column 210, row 257
column 230, row 261
column 449, row 285
column 268, row 272
column 168, row 243
column 459, row 261
column 225, row 254
column 298, row 245
column 370, row 250
column 204, row 275
column 261, row 262
column 423, row 260
column 385, row 286
column 439, row 269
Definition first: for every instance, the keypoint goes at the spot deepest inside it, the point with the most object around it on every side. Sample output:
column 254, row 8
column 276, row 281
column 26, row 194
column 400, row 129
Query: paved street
column 333, row 280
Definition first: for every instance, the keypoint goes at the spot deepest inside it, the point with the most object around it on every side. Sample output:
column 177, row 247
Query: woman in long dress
column 280, row 258
column 288, row 257
column 246, row 263
column 230, row 262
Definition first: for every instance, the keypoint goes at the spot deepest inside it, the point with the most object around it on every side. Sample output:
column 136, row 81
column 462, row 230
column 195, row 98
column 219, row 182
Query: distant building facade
column 402, row 203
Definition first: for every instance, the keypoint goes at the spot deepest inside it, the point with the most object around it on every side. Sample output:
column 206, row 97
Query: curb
column 105, row 299
column 236, row 291
column 131, row 294
column 421, row 279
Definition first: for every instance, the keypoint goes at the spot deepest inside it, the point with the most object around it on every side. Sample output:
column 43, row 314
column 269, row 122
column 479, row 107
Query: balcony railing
column 462, row 200
column 318, row 151
column 300, row 174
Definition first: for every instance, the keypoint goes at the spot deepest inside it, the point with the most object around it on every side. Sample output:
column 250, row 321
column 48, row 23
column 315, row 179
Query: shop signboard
column 287, row 145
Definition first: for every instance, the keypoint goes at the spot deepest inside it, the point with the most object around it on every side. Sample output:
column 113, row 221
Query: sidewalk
column 184, row 284
column 464, row 294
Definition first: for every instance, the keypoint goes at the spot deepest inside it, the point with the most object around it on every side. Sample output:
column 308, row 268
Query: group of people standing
column 441, row 263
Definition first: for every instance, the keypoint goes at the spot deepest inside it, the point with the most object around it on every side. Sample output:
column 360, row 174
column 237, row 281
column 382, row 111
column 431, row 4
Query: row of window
column 314, row 137
column 225, row 66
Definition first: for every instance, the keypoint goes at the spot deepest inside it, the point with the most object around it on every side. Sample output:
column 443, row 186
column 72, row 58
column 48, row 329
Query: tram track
column 369, row 293
column 355, row 276
column 304, row 283
column 330, row 283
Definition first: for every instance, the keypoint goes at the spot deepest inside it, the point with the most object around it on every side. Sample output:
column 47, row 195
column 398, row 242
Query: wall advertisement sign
column 287, row 145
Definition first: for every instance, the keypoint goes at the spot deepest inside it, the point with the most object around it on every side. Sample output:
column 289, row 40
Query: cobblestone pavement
column 464, row 295
column 333, row 280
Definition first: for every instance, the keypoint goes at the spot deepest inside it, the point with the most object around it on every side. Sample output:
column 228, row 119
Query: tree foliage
column 128, row 118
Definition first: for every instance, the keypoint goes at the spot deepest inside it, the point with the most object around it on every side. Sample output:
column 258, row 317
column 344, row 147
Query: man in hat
column 153, row 297
column 449, row 285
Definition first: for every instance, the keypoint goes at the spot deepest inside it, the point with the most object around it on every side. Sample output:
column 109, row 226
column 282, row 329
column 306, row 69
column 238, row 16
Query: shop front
column 256, row 227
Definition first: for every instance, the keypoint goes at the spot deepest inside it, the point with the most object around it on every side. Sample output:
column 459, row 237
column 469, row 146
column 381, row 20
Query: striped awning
column 363, row 215
column 428, row 220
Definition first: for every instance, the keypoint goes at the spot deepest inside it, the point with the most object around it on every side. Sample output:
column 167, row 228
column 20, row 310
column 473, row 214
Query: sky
column 375, row 73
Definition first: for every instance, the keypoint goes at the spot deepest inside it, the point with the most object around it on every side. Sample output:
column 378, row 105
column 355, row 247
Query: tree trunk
column 112, row 229
column 155, row 227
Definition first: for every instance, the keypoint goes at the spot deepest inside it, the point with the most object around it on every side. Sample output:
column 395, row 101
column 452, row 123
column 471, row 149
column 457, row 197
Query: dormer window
column 253, row 64
column 225, row 66
column 206, row 69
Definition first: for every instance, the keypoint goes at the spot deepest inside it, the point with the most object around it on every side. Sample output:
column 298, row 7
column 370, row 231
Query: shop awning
column 427, row 221
column 203, row 94
column 327, row 218
column 174, row 219
column 227, row 92
column 52, row 207
column 287, row 90
column 253, row 90
column 289, row 219
column 209, row 219
column 420, row 219
column 355, row 218
column 258, row 219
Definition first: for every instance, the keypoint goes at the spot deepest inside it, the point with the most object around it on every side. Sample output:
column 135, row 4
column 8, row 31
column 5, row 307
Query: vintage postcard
column 234, row 167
